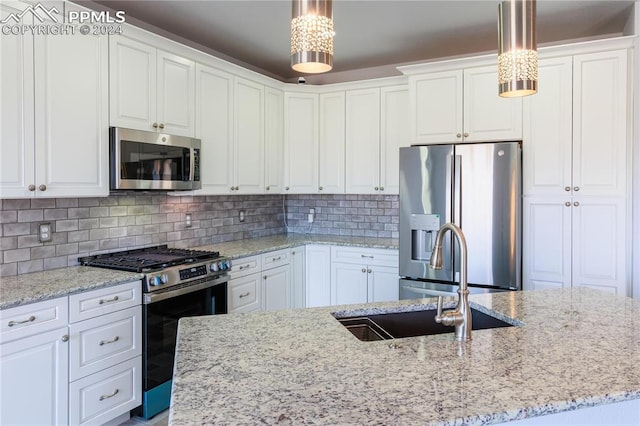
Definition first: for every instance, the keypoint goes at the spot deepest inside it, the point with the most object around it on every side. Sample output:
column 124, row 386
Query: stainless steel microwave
column 142, row 160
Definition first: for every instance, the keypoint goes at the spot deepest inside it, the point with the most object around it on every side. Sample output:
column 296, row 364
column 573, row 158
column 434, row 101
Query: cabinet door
column 600, row 123
column 546, row 243
column 383, row 284
column 436, row 107
column 297, row 267
column 33, row 389
column 276, row 293
column 273, row 140
column 132, row 79
column 301, row 143
column 394, row 133
column 363, row 141
column 547, row 134
column 487, row 116
column 214, row 127
column 71, row 115
column 332, row 141
column 600, row 244
column 16, row 109
column 318, row 276
column 176, row 94
column 249, row 137
column 348, row 283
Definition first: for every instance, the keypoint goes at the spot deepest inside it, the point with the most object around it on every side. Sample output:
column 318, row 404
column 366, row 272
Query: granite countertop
column 38, row 286
column 575, row 348
column 253, row 246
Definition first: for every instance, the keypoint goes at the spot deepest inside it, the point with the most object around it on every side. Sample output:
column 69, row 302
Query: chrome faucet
column 460, row 318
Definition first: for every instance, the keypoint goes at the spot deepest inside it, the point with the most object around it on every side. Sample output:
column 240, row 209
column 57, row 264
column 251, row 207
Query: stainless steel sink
column 410, row 324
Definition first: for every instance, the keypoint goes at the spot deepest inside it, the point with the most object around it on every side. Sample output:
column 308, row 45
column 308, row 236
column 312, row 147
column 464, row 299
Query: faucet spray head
column 435, row 262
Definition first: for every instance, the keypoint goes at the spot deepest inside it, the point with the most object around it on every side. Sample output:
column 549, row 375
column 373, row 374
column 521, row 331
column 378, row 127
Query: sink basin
column 410, row 324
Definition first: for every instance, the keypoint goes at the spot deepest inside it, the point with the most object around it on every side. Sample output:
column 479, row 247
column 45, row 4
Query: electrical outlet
column 187, row 220
column 241, row 215
column 44, row 232
column 311, row 216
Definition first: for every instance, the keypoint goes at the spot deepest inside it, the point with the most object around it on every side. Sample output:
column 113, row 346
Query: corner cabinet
column 151, row 89
column 273, row 140
column 55, row 104
column 575, row 171
column 461, row 105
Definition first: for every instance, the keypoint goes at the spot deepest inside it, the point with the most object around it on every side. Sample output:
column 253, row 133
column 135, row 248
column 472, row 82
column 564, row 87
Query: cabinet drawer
column 100, row 397
column 27, row 320
column 245, row 266
column 102, row 342
column 377, row 257
column 273, row 259
column 94, row 303
column 245, row 293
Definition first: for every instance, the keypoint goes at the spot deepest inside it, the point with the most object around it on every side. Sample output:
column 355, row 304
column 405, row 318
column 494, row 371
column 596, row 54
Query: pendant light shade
column 517, row 48
column 312, row 36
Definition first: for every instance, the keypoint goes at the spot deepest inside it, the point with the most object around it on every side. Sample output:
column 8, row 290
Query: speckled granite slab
column 39, row 286
column 253, row 246
column 575, row 349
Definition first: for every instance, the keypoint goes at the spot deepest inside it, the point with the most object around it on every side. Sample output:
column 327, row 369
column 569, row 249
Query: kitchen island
column 573, row 349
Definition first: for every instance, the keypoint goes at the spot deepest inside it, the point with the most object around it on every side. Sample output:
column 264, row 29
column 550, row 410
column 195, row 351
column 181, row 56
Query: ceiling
column 370, row 35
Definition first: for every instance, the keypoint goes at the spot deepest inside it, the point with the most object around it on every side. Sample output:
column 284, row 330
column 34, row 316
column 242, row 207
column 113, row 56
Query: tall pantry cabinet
column 575, row 174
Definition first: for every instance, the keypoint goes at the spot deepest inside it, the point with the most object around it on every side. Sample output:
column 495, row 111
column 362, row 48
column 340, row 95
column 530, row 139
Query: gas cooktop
column 148, row 258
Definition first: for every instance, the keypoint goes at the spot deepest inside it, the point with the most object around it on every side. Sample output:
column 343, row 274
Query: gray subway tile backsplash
column 86, row 226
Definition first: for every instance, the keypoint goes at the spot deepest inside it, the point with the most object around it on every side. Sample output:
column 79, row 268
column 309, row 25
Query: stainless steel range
column 177, row 283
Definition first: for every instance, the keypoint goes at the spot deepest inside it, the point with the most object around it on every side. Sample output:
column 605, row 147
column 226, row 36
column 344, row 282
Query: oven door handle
column 156, row 297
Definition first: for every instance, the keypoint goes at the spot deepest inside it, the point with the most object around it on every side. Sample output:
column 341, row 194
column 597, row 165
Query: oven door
column 161, row 312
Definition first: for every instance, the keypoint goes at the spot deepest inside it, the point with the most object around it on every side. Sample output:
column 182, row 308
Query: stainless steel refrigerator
column 476, row 186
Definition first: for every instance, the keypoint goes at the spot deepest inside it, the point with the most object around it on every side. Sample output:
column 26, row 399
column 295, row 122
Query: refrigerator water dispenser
column 424, row 228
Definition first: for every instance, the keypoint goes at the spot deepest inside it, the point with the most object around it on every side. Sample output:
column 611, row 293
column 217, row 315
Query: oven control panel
column 193, row 272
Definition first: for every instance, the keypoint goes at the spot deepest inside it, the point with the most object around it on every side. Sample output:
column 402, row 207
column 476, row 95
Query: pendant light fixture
column 517, row 48
column 312, row 35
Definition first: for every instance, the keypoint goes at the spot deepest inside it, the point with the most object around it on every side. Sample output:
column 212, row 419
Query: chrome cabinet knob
column 458, row 135
column 466, row 135
column 31, row 187
column 267, row 188
column 567, row 204
column 320, row 188
column 237, row 187
column 161, row 126
column 42, row 187
column 286, row 188
column 376, row 188
column 264, row 276
column 567, row 188
column 155, row 125
column 65, row 338
column 575, row 203
column 368, row 271
column 232, row 188
column 382, row 188
column 576, row 188
column 364, row 270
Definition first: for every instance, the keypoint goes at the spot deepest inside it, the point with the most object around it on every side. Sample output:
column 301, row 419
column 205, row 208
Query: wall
column 340, row 214
column 83, row 226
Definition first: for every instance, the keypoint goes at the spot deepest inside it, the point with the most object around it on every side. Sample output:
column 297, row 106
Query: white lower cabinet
column 363, row 275
column 34, row 379
column 317, row 276
column 297, row 267
column 276, row 284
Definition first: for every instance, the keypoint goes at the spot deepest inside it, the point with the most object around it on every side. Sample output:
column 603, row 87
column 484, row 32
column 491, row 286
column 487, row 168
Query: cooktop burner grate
column 149, row 258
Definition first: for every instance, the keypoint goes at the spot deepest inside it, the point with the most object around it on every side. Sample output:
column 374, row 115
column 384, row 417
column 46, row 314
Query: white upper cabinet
column 214, row 127
column 249, row 137
column 151, row 89
column 273, row 140
column 462, row 105
column 300, row 143
column 600, row 123
column 331, row 164
column 376, row 128
column 54, row 106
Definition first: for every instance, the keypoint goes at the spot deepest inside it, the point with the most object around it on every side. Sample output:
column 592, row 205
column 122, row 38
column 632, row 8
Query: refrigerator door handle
column 449, row 186
column 457, row 190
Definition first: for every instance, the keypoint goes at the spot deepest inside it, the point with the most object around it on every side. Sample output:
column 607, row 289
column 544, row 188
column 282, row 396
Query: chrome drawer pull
column 276, row 258
column 103, row 397
column 368, row 257
column 106, row 342
column 245, row 295
column 30, row 319
column 103, row 301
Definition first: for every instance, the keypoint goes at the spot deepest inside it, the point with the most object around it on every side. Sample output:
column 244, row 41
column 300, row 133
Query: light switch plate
column 44, row 232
